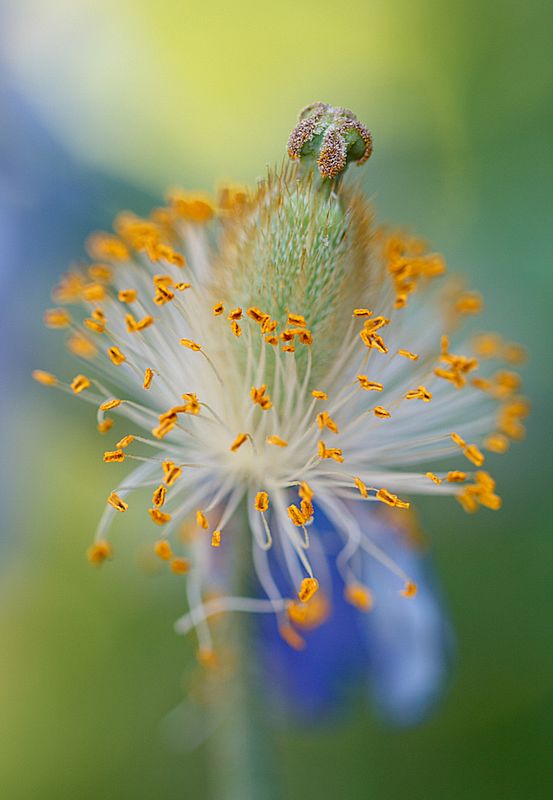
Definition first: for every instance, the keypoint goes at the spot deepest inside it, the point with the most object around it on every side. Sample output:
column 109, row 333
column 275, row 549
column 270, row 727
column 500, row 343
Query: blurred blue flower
column 401, row 650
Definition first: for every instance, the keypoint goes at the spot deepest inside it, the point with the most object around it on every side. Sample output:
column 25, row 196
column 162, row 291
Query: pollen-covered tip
column 329, row 138
column 99, row 552
column 117, row 503
column 309, row 586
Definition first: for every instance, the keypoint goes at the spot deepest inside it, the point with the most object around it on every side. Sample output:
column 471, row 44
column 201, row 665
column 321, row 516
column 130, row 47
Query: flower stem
column 241, row 750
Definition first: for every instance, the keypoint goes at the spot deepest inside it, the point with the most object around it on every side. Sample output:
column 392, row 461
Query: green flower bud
column 329, row 138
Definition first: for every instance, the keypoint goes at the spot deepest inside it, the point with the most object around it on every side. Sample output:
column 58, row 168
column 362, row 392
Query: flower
column 276, row 352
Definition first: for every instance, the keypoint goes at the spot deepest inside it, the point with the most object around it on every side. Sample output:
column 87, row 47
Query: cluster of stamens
column 256, row 427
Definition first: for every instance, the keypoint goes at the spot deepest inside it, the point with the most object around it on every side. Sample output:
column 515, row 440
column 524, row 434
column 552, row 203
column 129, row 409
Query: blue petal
column 409, row 639
column 402, row 647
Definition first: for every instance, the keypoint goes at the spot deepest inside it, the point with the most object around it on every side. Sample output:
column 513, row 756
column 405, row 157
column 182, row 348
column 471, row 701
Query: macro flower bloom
column 276, row 357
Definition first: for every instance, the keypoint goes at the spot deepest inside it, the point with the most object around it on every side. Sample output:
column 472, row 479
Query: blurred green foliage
column 458, row 97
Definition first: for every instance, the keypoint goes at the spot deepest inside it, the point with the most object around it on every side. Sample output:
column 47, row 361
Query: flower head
column 274, row 352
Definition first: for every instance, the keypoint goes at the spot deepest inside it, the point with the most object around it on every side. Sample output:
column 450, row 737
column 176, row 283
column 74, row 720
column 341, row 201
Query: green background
column 107, row 103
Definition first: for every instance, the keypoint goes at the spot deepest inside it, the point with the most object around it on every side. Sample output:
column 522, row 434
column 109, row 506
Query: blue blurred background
column 103, row 105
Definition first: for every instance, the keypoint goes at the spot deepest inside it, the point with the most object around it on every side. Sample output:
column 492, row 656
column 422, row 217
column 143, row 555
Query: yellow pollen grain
column 276, row 440
column 180, row 566
column 259, row 397
column 94, row 325
column 181, row 287
column 361, row 312
column 474, row 454
column 374, row 341
column 309, row 587
column 261, row 501
column 162, row 280
column 306, row 508
column 409, row 590
column 116, row 356
column 256, row 314
column 109, row 404
column 238, row 442
column 363, row 491
column 144, row 323
column 161, row 430
column 319, row 395
column 296, row 319
column 236, row 329
column 456, row 476
column 80, row 383
column 216, row 539
column 308, row 615
column 148, row 378
column 486, row 345
column 391, row 499
column 127, row 295
column 268, row 325
column 69, row 288
column 159, row 517
column 218, row 309
column 329, row 452
column 235, row 314
column 420, row 393
column 105, row 425
column 158, row 497
column 163, row 295
column 81, row 346
column 171, row 472
column 99, row 552
column 125, row 441
column 117, row 503
column 57, row 318
column 201, row 520
column 458, row 440
column 496, row 443
column 381, row 412
column 163, row 550
column 272, row 340
column 408, row 354
column 324, row 420
column 469, row 303
column 359, row 596
column 192, row 403
column 45, row 378
column 305, row 491
column 94, row 292
column 507, row 380
column 114, row 456
column 434, row 478
column 514, row 353
column 369, row 386
column 190, row 344
column 295, row 515
column 374, row 324
column 100, row 272
column 106, row 246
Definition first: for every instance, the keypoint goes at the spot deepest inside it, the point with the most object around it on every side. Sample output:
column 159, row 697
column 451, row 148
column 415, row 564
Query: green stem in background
column 241, row 749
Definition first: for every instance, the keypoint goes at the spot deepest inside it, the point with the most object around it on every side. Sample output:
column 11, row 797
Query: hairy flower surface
column 276, row 352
